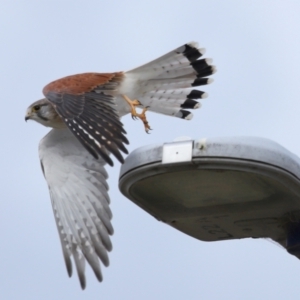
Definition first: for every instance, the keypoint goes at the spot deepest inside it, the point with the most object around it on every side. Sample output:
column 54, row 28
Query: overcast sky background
column 256, row 48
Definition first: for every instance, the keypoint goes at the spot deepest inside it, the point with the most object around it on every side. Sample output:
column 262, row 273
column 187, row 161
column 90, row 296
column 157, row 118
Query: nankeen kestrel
column 84, row 111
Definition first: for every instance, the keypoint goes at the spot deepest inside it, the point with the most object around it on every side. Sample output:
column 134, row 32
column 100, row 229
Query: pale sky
column 255, row 46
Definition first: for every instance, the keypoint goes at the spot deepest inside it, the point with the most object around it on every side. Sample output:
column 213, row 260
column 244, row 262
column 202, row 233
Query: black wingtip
column 199, row 65
column 122, row 148
column 190, row 104
column 119, row 157
column 184, row 114
column 201, row 81
column 196, row 94
column 102, row 153
column 191, row 53
column 107, row 159
column 124, row 139
column 206, row 72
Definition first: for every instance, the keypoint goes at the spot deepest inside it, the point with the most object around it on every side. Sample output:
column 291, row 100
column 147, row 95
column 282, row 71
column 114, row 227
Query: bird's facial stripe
column 43, row 118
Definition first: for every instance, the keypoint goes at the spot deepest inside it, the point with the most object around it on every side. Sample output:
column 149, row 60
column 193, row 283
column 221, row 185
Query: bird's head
column 44, row 113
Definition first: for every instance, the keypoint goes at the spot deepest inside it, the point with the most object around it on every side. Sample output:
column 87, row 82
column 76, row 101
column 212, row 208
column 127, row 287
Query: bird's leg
column 134, row 114
column 132, row 104
column 142, row 116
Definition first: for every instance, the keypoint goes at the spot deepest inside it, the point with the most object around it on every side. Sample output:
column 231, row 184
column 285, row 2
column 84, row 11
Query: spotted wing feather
column 85, row 102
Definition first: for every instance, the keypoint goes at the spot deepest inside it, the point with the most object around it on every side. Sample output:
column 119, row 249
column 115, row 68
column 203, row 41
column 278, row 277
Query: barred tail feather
column 184, row 99
column 165, row 84
column 172, row 111
column 176, row 57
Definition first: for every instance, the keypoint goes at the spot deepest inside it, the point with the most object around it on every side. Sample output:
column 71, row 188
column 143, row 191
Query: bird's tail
column 166, row 84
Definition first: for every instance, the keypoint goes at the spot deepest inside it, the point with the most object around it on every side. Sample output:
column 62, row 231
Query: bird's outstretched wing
column 78, row 190
column 85, row 102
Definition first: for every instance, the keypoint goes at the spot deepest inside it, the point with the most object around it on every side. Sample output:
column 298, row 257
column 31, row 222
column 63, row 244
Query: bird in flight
column 84, row 111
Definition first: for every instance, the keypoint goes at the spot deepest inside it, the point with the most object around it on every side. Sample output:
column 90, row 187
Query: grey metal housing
column 219, row 188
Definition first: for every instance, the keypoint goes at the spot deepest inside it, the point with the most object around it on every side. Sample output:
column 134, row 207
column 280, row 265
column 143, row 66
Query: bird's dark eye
column 36, row 107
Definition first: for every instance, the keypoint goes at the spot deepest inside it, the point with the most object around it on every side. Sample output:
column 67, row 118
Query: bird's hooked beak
column 28, row 115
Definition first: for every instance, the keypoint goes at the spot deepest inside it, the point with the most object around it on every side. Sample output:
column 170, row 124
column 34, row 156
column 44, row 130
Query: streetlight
column 219, row 188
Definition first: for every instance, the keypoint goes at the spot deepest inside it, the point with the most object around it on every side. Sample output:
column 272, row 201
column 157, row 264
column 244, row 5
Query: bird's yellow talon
column 135, row 115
